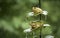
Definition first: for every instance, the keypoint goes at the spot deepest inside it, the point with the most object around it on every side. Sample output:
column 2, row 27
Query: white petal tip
column 49, row 36
column 30, row 13
column 45, row 12
column 27, row 30
column 46, row 25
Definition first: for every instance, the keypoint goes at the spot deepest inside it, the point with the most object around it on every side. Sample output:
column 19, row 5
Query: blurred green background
column 13, row 19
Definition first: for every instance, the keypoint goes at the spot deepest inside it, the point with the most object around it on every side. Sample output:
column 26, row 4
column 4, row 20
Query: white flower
column 45, row 12
column 46, row 25
column 27, row 30
column 49, row 36
column 30, row 13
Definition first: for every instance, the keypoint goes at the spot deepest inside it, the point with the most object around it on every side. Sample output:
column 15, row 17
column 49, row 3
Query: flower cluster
column 32, row 13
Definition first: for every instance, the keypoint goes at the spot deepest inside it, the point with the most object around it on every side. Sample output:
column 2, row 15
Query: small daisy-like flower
column 46, row 25
column 30, row 13
column 27, row 30
column 45, row 12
